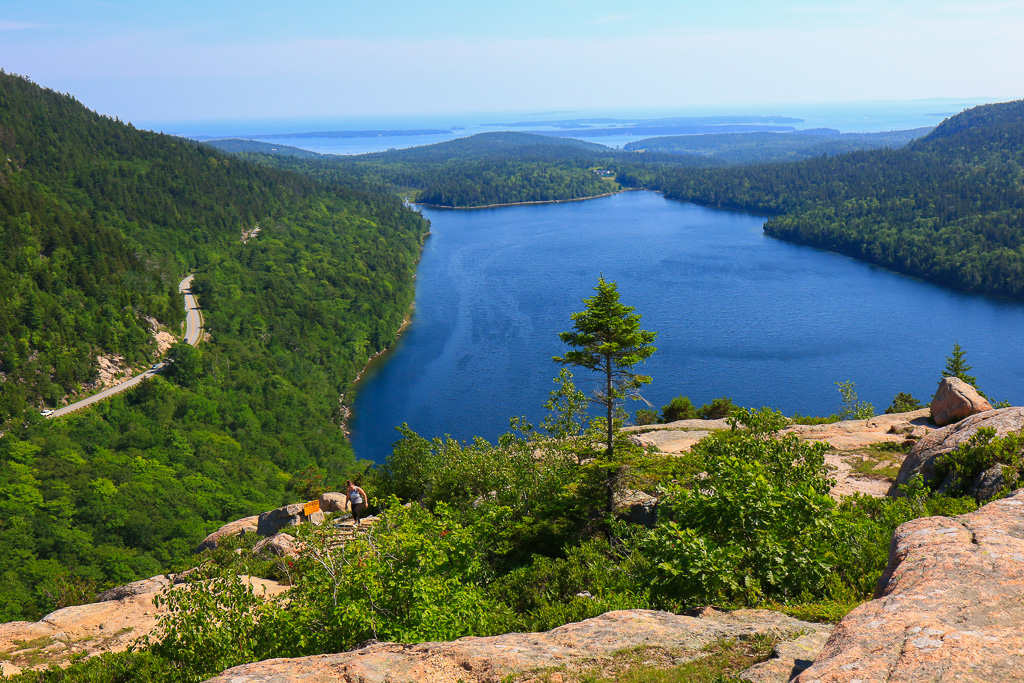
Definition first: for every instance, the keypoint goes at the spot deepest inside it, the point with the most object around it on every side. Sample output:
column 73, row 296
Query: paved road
column 193, row 332
column 193, row 316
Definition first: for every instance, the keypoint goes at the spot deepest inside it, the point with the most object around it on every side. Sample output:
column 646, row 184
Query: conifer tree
column 606, row 338
column 957, row 367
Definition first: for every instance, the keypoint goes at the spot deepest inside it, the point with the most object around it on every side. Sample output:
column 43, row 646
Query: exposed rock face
column 108, row 626
column 269, row 523
column 789, row 658
column 988, row 483
column 497, row 658
column 316, row 518
column 950, row 605
column 849, row 435
column 153, row 585
column 955, row 400
column 246, row 525
column 922, row 457
column 281, row 545
column 670, row 440
column 332, row 502
column 636, row 507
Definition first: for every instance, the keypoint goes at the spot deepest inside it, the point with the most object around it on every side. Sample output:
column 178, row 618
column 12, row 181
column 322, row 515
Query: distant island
column 382, row 133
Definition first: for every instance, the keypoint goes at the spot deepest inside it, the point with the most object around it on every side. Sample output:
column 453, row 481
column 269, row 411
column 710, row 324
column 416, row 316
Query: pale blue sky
column 142, row 60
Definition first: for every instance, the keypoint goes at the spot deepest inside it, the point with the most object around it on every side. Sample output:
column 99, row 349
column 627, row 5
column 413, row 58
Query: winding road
column 193, row 333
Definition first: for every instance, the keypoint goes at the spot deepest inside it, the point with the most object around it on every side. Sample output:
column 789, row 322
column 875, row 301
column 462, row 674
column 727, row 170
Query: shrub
column 679, row 408
column 717, row 409
column 903, row 403
column 756, row 524
column 981, row 452
column 646, row 416
column 416, row 575
column 853, row 409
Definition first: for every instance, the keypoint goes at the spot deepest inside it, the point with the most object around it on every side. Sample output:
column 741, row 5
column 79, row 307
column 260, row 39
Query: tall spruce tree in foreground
column 607, row 339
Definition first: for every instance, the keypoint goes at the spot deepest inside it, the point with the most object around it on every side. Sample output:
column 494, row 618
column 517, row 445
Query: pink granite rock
column 950, row 605
column 509, row 656
column 955, row 400
column 922, row 457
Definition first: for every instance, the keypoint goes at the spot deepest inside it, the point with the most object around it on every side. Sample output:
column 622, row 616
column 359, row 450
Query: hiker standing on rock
column 356, row 500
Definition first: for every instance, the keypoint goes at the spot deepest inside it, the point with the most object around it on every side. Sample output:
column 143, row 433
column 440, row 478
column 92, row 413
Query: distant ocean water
column 847, row 117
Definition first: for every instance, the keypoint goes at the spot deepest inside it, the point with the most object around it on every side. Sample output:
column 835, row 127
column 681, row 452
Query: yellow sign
column 311, row 507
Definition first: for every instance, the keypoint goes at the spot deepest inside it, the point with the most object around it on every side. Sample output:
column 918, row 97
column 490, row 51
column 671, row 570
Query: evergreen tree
column 957, row 367
column 607, row 339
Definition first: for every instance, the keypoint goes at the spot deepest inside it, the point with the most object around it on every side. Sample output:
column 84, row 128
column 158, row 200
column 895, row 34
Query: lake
column 737, row 314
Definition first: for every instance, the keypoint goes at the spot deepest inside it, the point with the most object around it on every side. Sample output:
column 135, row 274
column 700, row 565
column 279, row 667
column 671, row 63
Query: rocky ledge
column 846, row 439
column 949, row 607
column 121, row 616
column 524, row 656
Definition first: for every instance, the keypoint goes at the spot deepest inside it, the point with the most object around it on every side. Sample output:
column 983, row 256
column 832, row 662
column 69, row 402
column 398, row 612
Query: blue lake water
column 737, row 314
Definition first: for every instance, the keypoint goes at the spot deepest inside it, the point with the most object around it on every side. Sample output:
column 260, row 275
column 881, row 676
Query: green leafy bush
column 717, row 409
column 755, row 524
column 903, row 403
column 646, row 416
column 853, row 409
column 679, row 408
column 981, row 452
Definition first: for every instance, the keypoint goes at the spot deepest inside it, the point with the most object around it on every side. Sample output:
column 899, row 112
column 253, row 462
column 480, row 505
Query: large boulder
column 513, row 655
column 949, row 607
column 955, row 400
column 332, row 502
column 246, row 525
column 922, row 457
column 636, row 507
column 271, row 522
column 281, row 545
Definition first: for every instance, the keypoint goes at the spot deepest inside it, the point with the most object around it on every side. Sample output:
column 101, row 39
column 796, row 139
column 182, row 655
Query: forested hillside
column 490, row 168
column 754, row 148
column 98, row 222
column 948, row 207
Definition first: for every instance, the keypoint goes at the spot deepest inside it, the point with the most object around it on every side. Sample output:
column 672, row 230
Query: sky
column 143, row 60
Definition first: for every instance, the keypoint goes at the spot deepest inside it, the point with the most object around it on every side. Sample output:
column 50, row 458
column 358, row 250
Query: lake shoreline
column 543, row 201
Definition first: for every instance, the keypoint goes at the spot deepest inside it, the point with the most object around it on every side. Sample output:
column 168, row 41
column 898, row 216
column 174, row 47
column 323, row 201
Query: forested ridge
column 947, row 208
column 98, row 222
column 480, row 170
column 752, row 148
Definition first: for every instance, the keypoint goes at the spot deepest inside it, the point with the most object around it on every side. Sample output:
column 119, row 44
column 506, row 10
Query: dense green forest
column 757, row 148
column 485, row 169
column 947, row 207
column 98, row 223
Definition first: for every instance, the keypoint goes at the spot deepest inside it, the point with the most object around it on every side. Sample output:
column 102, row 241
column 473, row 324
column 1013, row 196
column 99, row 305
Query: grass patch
column 876, row 468
column 825, row 612
column 799, row 419
column 892, row 446
column 720, row 661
